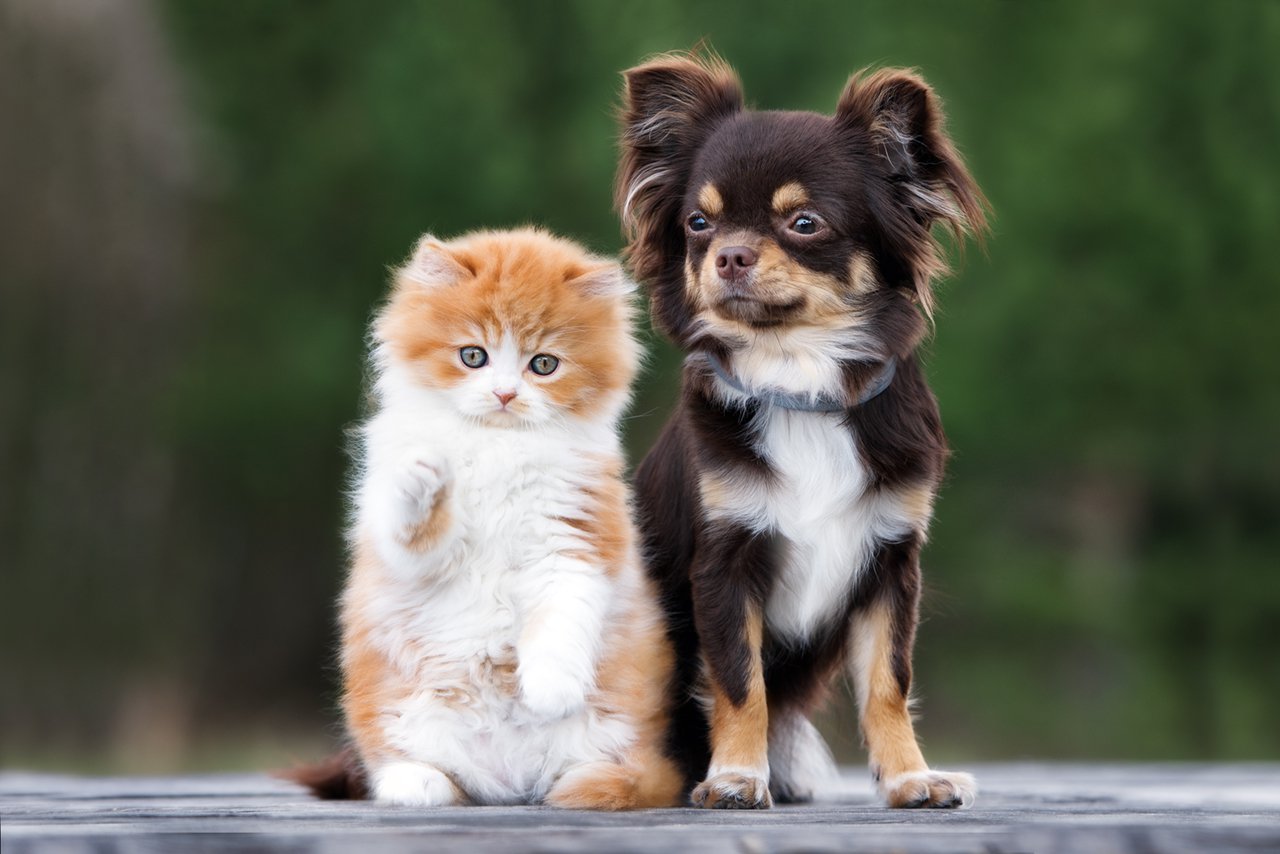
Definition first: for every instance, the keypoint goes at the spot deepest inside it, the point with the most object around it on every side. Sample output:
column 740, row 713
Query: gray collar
column 803, row 402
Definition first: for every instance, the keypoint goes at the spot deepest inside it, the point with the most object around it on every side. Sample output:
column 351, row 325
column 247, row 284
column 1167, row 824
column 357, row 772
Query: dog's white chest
column 828, row 519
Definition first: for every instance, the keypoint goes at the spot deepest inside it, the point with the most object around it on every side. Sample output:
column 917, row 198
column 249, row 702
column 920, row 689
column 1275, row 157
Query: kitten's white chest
column 454, row 631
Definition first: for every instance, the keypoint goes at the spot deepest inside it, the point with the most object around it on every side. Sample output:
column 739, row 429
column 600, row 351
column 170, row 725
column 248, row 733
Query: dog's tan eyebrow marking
column 710, row 200
column 788, row 197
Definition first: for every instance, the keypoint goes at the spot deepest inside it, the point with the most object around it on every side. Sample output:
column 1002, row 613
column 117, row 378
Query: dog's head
column 744, row 222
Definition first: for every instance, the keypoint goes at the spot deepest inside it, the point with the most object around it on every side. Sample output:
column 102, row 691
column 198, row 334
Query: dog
column 791, row 256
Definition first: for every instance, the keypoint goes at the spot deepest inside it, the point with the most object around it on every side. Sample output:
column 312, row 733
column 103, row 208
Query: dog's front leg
column 728, row 611
column 883, row 636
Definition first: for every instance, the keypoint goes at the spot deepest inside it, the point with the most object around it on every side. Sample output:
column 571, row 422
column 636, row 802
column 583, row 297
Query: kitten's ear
column 924, row 180
column 669, row 106
column 607, row 280
column 432, row 265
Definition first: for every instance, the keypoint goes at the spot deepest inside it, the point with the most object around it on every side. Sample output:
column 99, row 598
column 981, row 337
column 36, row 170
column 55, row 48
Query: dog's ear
column 669, row 106
column 925, row 177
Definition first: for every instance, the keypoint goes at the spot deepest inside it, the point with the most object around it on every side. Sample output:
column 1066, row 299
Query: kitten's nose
column 505, row 395
column 734, row 262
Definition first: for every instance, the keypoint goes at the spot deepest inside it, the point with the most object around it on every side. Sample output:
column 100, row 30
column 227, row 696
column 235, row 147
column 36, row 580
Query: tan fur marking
column 606, row 526
column 427, row 532
column 862, row 277
column 779, row 280
column 789, row 197
column 917, row 503
column 739, row 734
column 885, row 713
column 715, row 491
column 710, row 201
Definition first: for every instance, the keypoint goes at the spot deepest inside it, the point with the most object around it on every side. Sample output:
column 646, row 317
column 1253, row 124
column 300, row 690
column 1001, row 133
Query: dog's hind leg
column 801, row 766
column 883, row 635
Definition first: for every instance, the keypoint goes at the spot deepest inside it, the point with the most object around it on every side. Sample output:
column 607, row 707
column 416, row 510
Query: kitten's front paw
column 548, row 691
column 410, row 784
column 929, row 789
column 732, row 790
column 419, row 479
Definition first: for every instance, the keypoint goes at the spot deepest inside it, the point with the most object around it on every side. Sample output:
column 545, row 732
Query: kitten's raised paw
column 929, row 790
column 730, row 790
column 549, row 692
column 410, row 784
column 419, row 481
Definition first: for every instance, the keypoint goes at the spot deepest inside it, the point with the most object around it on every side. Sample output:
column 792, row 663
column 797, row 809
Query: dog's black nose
column 734, row 262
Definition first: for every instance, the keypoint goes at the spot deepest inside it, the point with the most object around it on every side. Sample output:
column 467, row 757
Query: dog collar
column 803, row 402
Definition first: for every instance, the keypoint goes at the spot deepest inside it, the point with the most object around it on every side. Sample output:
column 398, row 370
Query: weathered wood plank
column 1022, row 807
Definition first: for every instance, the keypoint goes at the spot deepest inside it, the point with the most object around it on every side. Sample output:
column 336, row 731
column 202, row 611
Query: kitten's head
column 511, row 328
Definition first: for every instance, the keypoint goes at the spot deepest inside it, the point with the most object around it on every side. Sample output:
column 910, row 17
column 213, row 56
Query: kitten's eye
column 806, row 224
column 543, row 364
column 698, row 222
column 474, row 357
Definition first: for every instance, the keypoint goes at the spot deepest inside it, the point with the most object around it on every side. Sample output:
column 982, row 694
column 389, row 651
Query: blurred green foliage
column 1103, row 566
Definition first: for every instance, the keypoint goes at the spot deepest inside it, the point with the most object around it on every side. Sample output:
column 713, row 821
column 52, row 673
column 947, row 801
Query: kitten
column 501, row 643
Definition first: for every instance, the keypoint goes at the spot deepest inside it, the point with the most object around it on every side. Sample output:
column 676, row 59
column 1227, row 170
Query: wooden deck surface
column 1021, row 808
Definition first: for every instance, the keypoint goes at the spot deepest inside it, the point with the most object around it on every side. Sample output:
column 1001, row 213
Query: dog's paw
column 929, row 789
column 732, row 790
column 410, row 784
column 547, row 690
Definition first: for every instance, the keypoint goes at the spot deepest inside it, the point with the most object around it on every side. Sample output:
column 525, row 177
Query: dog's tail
column 340, row 777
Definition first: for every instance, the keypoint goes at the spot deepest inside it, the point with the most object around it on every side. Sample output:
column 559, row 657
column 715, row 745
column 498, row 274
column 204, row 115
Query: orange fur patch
column 606, row 521
column 368, row 681
column 633, row 680
column 423, row 535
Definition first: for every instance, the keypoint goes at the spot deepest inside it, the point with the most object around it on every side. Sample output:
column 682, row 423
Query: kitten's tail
column 340, row 777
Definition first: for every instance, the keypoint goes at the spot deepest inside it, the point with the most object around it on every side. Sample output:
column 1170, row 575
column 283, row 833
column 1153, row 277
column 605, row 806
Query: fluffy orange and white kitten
column 501, row 643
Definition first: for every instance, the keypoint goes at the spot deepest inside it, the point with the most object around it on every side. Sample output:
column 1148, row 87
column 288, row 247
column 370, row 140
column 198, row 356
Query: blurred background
column 199, row 203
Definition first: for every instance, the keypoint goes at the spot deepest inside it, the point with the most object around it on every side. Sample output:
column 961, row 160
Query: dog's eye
column 473, row 357
column 698, row 222
column 806, row 225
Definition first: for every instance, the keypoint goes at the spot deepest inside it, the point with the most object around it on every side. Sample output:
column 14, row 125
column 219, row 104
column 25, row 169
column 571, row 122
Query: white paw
column 418, row 480
column 547, row 690
column 410, row 784
column 930, row 789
